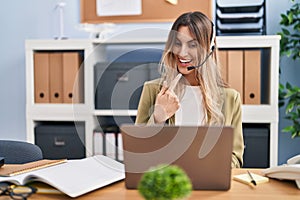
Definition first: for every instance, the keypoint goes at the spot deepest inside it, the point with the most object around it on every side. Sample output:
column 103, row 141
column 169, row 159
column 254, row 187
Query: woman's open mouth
column 185, row 62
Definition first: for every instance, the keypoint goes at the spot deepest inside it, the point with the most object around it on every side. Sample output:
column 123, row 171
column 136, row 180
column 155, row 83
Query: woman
column 200, row 97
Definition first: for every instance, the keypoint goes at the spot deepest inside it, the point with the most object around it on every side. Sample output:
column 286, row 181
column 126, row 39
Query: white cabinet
column 96, row 50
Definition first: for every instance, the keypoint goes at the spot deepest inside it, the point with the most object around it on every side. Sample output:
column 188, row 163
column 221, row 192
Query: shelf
column 67, row 44
column 57, row 118
column 96, row 51
column 249, row 113
column 263, row 41
column 143, row 36
column 115, row 112
column 59, row 109
column 259, row 114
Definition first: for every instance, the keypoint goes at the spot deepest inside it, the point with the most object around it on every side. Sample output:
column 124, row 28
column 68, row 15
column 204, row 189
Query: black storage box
column 61, row 140
column 119, row 85
column 119, row 82
column 257, row 146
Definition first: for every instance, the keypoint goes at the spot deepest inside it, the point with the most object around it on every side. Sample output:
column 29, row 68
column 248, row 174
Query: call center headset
column 211, row 47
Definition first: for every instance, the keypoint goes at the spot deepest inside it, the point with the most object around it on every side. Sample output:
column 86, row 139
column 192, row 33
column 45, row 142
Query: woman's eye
column 192, row 45
column 177, row 43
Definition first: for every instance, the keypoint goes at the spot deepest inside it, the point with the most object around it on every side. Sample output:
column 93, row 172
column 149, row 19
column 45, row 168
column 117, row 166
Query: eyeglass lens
column 17, row 192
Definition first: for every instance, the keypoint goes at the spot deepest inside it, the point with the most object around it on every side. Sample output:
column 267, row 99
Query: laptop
column 203, row 152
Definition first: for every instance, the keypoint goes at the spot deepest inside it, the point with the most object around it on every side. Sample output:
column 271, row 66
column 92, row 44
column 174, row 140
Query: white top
column 191, row 108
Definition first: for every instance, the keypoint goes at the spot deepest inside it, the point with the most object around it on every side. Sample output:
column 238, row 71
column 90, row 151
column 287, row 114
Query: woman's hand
column 166, row 104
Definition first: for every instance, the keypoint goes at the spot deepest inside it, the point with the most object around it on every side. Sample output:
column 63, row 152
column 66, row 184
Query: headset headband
column 212, row 38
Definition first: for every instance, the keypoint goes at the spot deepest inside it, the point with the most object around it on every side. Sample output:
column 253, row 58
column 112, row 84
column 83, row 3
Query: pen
column 175, row 81
column 251, row 177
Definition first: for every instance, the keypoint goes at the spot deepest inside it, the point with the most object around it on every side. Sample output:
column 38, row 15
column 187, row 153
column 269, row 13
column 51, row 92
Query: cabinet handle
column 59, row 142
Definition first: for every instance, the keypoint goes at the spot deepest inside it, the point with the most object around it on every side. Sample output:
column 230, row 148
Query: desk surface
column 274, row 189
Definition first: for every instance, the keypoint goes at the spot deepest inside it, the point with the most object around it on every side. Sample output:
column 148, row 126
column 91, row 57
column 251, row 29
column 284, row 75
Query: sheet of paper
column 119, row 7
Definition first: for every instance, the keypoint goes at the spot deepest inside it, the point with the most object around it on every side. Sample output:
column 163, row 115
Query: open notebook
column 205, row 153
column 75, row 177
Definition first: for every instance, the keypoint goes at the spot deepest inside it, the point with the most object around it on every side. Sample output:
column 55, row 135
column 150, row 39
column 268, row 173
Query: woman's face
column 185, row 50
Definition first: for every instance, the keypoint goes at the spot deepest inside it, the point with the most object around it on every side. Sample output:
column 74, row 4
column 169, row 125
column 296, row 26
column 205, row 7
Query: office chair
column 18, row 152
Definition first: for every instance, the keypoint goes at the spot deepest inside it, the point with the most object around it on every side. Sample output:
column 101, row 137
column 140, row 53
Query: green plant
column 290, row 46
column 165, row 182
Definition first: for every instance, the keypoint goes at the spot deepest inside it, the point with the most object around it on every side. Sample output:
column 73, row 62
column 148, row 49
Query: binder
column 252, row 73
column 41, row 77
column 223, row 64
column 235, row 70
column 72, row 78
column 110, row 147
column 108, row 143
column 98, row 143
column 120, row 148
column 56, row 89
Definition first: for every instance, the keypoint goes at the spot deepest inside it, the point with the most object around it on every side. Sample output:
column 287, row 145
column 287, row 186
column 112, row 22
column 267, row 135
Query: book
column 15, row 169
column 75, row 177
column 245, row 178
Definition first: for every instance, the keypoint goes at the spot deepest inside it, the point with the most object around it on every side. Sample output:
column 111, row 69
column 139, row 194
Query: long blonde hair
column 208, row 75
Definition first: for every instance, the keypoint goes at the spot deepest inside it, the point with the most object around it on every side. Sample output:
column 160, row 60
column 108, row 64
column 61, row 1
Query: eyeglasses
column 17, row 192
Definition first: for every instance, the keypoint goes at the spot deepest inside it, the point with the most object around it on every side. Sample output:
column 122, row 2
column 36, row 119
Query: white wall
column 36, row 19
column 21, row 20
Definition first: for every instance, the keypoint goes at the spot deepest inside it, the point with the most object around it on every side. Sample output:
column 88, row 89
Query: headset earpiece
column 213, row 36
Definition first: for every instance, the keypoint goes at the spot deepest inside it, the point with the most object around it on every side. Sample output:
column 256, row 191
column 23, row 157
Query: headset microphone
column 212, row 48
column 194, row 67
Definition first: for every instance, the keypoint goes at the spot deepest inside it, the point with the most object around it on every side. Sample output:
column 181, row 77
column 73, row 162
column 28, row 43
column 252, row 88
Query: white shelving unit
column 95, row 51
column 264, row 113
column 38, row 112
